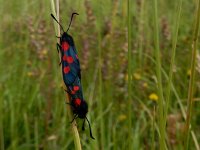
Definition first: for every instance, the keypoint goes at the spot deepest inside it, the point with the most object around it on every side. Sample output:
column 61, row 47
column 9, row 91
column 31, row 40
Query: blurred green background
column 32, row 100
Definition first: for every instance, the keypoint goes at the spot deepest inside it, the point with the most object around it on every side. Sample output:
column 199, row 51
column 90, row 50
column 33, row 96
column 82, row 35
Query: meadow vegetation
column 123, row 49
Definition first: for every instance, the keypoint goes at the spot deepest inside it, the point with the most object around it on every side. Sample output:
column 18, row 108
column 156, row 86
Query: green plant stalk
column 141, row 29
column 130, row 142
column 153, row 128
column 1, row 135
column 36, row 136
column 192, row 78
column 27, row 131
column 1, row 124
column 100, row 90
column 100, row 83
column 1, row 102
column 109, row 91
column 75, row 132
column 12, row 125
column 172, row 59
column 54, row 13
column 159, row 78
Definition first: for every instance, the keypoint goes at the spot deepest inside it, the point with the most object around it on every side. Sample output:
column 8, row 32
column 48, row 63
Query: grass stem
column 153, row 128
column 159, row 79
column 100, row 88
column 192, row 77
column 129, row 78
column 70, row 114
column 172, row 59
column 1, row 125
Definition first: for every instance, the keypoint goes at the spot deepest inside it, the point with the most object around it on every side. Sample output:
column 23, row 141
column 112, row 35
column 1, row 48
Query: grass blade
column 192, row 78
column 159, row 79
column 129, row 78
column 70, row 114
column 172, row 59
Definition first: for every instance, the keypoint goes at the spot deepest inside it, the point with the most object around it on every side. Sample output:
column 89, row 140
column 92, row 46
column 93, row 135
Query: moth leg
column 58, row 47
column 59, row 50
column 68, row 104
column 68, row 92
column 75, row 116
column 79, row 74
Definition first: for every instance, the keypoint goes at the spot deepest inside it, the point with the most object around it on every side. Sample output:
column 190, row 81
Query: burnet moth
column 72, row 74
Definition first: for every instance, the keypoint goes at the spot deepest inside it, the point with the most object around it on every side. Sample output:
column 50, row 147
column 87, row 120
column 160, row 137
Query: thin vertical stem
column 100, row 93
column 75, row 132
column 1, row 102
column 36, row 136
column 100, row 83
column 1, row 125
column 100, row 89
column 129, row 78
column 159, row 78
column 172, row 59
column 27, row 131
column 192, row 78
column 54, row 13
column 153, row 127
column 58, row 17
column 141, row 29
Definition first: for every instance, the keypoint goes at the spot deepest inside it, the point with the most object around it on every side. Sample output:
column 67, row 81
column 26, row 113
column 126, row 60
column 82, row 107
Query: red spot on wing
column 73, row 92
column 70, row 59
column 77, row 101
column 66, row 69
column 76, row 88
column 64, row 58
column 65, row 46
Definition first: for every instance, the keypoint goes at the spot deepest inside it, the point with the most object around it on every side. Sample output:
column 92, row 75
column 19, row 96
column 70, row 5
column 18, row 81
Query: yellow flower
column 137, row 76
column 122, row 117
column 153, row 97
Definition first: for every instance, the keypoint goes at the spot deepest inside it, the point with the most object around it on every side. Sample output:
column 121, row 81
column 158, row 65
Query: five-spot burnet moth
column 72, row 74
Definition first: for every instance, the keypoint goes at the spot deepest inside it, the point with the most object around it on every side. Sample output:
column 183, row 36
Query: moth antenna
column 57, row 22
column 90, row 129
column 71, row 19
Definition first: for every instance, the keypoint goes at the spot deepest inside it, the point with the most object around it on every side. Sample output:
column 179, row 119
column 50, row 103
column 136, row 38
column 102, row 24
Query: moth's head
column 67, row 38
